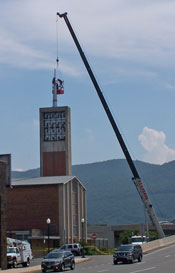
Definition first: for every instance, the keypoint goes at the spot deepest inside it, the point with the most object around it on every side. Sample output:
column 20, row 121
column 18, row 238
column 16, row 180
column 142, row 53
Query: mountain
column 27, row 174
column 112, row 197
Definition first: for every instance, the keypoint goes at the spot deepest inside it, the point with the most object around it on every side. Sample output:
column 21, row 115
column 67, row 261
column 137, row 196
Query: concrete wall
column 72, row 212
column 103, row 232
column 112, row 233
column 55, row 155
column 146, row 247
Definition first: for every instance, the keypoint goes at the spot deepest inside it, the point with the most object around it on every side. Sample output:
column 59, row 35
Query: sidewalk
column 34, row 269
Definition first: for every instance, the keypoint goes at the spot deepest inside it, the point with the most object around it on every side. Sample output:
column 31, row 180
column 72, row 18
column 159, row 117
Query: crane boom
column 137, row 181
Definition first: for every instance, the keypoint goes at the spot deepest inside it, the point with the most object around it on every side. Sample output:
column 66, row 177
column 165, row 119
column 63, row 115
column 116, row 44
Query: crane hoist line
column 136, row 178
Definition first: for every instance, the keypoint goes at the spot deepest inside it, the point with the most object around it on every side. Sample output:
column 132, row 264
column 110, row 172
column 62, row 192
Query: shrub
column 126, row 235
column 93, row 250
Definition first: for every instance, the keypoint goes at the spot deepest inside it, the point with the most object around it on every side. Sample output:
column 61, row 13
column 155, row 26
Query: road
column 160, row 261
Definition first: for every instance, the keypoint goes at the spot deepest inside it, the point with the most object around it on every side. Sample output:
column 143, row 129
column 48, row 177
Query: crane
column 136, row 178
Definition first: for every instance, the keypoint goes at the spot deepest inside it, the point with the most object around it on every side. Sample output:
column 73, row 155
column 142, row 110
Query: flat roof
column 44, row 180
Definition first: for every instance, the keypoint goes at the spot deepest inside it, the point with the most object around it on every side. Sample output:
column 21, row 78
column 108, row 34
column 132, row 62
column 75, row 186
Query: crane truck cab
column 18, row 252
column 138, row 239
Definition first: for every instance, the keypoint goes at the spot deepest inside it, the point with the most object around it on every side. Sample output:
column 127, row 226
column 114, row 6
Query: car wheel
column 26, row 264
column 62, row 267
column 140, row 258
column 115, row 262
column 14, row 263
column 43, row 270
column 72, row 266
column 132, row 260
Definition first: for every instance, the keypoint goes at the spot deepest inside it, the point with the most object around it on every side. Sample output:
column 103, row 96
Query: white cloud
column 154, row 143
column 141, row 31
column 16, row 53
column 170, row 86
column 18, row 170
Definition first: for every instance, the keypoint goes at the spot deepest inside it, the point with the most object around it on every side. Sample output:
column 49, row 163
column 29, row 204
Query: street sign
column 94, row 236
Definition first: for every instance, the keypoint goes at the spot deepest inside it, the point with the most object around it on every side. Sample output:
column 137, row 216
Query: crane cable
column 57, row 49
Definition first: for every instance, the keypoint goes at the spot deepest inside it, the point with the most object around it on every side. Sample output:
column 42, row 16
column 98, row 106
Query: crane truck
column 136, row 178
column 18, row 252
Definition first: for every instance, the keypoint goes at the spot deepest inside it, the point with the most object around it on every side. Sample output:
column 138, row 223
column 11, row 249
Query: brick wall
column 28, row 207
column 54, row 163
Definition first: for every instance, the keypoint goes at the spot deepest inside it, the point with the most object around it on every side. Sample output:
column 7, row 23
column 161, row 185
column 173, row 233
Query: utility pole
column 3, row 218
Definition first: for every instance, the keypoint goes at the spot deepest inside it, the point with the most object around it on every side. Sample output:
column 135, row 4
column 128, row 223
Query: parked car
column 128, row 253
column 75, row 248
column 58, row 261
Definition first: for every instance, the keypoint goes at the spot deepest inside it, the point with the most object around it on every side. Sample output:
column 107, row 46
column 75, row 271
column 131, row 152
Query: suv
column 58, row 260
column 75, row 248
column 128, row 253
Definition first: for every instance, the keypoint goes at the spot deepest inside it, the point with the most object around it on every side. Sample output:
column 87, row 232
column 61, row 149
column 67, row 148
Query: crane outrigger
column 136, row 178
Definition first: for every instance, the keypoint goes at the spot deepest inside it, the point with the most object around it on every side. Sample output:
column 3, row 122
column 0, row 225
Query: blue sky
column 130, row 46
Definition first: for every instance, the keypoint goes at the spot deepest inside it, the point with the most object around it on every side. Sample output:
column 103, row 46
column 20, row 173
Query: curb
column 35, row 269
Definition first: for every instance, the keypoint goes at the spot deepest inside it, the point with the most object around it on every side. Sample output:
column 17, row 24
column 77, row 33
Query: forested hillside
column 111, row 195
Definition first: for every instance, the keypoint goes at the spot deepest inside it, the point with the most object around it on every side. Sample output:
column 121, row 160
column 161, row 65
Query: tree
column 125, row 236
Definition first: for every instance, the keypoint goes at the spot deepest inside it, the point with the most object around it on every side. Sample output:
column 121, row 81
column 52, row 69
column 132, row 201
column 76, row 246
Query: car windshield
column 125, row 248
column 54, row 255
column 11, row 250
column 64, row 247
column 138, row 239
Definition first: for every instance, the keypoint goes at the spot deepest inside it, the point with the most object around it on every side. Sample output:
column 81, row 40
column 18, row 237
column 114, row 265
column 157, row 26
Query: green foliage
column 104, row 249
column 93, row 250
column 126, row 235
column 153, row 235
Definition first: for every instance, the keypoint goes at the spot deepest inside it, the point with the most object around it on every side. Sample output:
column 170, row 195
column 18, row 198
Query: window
column 54, row 126
column 75, row 207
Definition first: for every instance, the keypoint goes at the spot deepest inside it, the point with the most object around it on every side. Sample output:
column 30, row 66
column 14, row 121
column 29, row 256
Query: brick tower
column 55, row 136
